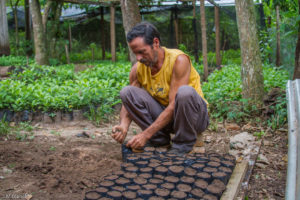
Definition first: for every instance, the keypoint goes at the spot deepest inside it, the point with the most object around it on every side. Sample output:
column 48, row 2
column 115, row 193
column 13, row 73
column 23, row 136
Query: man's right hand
column 119, row 133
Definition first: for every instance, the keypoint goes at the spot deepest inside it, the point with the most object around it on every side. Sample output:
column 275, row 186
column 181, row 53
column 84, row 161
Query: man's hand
column 138, row 141
column 119, row 133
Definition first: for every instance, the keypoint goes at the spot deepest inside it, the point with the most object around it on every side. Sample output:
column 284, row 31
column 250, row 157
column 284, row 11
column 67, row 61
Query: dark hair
column 146, row 30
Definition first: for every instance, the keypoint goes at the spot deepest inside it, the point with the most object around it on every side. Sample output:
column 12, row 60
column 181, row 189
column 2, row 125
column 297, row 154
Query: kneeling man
column 164, row 95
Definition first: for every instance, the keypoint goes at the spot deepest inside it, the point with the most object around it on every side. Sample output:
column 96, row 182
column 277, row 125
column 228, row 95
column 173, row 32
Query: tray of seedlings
column 156, row 174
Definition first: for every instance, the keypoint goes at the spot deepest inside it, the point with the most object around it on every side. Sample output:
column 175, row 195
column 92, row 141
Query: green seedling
column 260, row 134
column 52, row 148
column 55, row 133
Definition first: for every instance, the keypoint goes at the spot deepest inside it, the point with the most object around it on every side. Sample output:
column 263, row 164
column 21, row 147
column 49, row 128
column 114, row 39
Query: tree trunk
column 172, row 35
column 102, row 32
column 195, row 33
column 204, row 39
column 27, row 28
column 296, row 74
column 112, row 33
column 278, row 60
column 56, row 8
column 4, row 36
column 131, row 16
column 41, row 56
column 46, row 14
column 251, row 72
column 70, row 37
column 15, row 11
column 176, row 26
column 218, row 44
column 16, row 27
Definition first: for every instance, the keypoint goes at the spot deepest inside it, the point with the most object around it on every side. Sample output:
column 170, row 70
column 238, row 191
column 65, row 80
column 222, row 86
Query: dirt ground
column 57, row 164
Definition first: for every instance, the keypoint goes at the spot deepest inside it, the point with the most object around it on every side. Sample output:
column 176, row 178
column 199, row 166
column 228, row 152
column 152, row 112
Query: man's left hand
column 138, row 141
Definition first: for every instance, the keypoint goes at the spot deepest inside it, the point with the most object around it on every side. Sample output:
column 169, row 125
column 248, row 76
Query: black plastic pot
column 197, row 193
column 129, row 195
column 92, row 195
column 178, row 195
column 145, row 194
column 222, row 176
column 6, row 115
column 202, row 184
column 162, row 192
column 116, row 195
column 204, row 176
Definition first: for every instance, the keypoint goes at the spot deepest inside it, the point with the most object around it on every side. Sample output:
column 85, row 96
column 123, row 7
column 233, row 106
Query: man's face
column 144, row 53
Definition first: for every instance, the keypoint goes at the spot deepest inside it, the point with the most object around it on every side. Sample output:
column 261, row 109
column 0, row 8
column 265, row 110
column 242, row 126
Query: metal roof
column 206, row 2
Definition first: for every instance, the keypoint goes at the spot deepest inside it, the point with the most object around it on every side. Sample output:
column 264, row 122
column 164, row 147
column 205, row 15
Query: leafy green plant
column 279, row 118
column 224, row 94
column 260, row 134
column 55, row 133
column 15, row 60
column 4, row 127
column 52, row 148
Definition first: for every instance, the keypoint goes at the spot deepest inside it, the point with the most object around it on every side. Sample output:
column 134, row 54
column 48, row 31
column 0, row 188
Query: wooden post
column 195, row 33
column 204, row 42
column 70, row 38
column 112, row 33
column 102, row 33
column 67, row 54
column 218, row 45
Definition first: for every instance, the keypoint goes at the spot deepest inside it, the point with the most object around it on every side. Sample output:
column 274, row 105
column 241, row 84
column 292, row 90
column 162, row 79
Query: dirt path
column 56, row 164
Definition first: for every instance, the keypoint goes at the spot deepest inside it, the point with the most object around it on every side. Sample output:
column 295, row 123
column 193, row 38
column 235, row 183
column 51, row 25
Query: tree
column 14, row 7
column 112, row 33
column 218, row 45
column 296, row 74
column 27, row 28
column 131, row 16
column 53, row 23
column 278, row 60
column 195, row 32
column 102, row 24
column 251, row 72
column 4, row 37
column 41, row 56
column 204, row 39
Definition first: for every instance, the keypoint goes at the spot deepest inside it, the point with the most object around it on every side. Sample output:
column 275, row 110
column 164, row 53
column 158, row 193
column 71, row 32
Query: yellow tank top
column 158, row 85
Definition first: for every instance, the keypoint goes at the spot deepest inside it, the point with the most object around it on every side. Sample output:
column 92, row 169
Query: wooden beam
column 90, row 2
column 235, row 181
column 253, row 157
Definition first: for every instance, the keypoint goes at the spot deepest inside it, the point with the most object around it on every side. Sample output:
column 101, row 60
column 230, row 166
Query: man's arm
column 180, row 76
column 120, row 131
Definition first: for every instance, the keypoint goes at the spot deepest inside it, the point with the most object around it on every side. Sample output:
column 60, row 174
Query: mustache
column 144, row 61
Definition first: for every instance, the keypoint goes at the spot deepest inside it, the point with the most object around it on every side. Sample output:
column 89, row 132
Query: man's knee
column 125, row 91
column 185, row 93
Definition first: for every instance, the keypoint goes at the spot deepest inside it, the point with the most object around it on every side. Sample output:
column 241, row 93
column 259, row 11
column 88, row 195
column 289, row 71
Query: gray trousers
column 190, row 115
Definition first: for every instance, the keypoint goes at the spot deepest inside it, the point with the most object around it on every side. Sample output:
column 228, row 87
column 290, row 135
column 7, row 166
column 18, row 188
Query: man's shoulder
column 173, row 51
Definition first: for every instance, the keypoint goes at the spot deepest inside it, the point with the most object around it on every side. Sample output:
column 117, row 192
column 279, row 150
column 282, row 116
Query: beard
column 150, row 62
